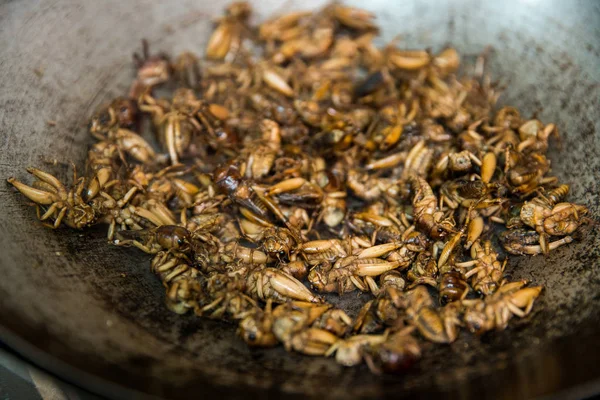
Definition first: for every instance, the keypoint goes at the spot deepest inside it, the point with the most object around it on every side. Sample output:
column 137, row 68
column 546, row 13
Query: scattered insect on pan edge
column 324, row 165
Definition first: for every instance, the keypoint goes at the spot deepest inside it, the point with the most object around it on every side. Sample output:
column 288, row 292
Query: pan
column 93, row 314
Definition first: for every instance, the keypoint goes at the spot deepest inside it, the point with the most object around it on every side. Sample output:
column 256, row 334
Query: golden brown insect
column 62, row 204
column 380, row 227
column 370, row 187
column 457, row 162
column 304, row 327
column 418, row 161
column 551, row 219
column 152, row 70
column 186, row 70
column 270, row 283
column 525, row 242
column 274, row 79
column 262, row 153
column 475, row 228
column 349, row 352
column 316, row 251
column 177, row 122
column 395, row 355
column 110, row 125
column 103, row 155
column 488, row 271
column 424, row 269
column 225, row 298
column 429, row 219
column 227, row 36
column 283, row 27
column 534, row 136
column 440, row 326
column 348, row 273
column 120, row 112
column 313, row 40
column 383, row 310
column 297, row 191
column 171, row 266
column 165, row 237
column 466, row 193
column 408, row 60
column 352, row 17
column 275, row 241
column 257, row 328
column 495, row 311
column 526, row 172
column 183, row 289
column 449, row 247
column 228, row 179
column 233, row 251
column 447, row 61
column 452, row 287
column 120, row 214
column 295, row 316
column 165, row 185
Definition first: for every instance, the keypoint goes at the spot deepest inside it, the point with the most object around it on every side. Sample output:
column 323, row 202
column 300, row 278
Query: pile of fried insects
column 299, row 159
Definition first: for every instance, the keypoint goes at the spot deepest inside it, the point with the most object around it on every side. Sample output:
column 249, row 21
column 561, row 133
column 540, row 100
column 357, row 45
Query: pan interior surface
column 94, row 313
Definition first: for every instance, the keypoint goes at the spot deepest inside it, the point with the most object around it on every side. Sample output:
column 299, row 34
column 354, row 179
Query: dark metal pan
column 94, row 314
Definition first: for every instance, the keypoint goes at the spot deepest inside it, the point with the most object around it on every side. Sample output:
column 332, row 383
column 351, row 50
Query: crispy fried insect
column 233, row 251
column 525, row 242
column 330, row 250
column 424, row 269
column 170, row 266
column 152, row 70
column 261, row 156
column 440, row 326
column 429, row 219
column 382, row 311
column 225, row 298
column 395, row 355
column 120, row 112
column 526, row 172
column 348, row 273
column 179, row 121
column 369, row 187
column 186, row 70
column 270, row 283
column 292, row 324
column 382, row 228
column 256, row 328
column 165, row 237
column 551, row 219
column 297, row 191
column 349, row 352
column 229, row 180
column 452, row 287
column 457, row 162
column 274, row 240
column 62, row 204
column 120, row 214
column 466, row 193
column 351, row 17
column 495, row 311
column 227, row 36
column 488, row 271
column 292, row 318
column 110, row 125
column 408, row 60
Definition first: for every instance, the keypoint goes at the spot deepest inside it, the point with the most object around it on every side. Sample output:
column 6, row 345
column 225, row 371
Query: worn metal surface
column 74, row 303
